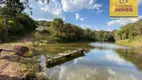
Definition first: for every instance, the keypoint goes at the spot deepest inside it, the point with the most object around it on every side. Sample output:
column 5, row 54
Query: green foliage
column 52, row 39
column 130, row 31
column 65, row 31
column 99, row 35
column 130, row 35
column 11, row 8
column 56, row 26
column 18, row 26
column 68, row 32
column 1, row 29
column 71, row 32
column 43, row 23
column 38, row 36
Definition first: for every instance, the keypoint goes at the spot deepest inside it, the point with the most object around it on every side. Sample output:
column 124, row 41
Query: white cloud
column 23, row 1
column 108, row 29
column 77, row 16
column 53, row 7
column 42, row 2
column 140, row 1
column 97, row 6
column 77, row 60
column 77, row 5
column 55, row 11
column 85, row 26
column 111, row 72
column 39, row 19
column 82, row 19
column 99, row 11
column 115, row 58
column 122, row 21
column 44, row 11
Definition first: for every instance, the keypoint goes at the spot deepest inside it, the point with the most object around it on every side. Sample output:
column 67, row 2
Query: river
column 102, row 61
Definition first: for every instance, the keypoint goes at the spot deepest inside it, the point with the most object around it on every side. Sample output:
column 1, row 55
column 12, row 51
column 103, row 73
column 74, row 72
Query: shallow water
column 102, row 61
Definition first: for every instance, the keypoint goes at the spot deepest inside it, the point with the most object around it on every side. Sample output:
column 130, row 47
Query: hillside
column 130, row 35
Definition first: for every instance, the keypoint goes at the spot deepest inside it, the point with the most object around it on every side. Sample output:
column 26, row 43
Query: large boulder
column 21, row 50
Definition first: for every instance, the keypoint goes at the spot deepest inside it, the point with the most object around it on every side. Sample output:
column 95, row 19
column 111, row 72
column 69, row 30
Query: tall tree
column 57, row 26
column 10, row 8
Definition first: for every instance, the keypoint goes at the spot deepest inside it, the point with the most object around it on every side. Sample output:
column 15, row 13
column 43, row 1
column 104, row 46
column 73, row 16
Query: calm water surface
column 102, row 61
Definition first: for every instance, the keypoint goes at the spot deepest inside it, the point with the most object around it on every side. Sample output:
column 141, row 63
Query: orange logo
column 124, row 8
column 123, row 1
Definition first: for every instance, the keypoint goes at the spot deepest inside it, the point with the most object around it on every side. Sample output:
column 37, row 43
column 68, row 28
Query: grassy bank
column 130, row 35
column 136, row 42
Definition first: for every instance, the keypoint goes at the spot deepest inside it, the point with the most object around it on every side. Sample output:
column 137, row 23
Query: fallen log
column 64, row 57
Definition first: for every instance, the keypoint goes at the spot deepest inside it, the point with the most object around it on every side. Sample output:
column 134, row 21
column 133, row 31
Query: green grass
column 136, row 42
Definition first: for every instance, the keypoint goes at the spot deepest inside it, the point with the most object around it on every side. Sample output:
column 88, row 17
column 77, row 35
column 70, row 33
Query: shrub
column 38, row 36
column 18, row 26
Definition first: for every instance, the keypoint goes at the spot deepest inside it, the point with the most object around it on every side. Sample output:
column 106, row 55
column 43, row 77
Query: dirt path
column 12, row 68
column 4, row 67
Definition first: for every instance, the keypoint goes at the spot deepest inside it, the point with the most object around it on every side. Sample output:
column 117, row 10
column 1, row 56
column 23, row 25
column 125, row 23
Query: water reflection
column 108, row 45
column 112, row 63
column 131, row 56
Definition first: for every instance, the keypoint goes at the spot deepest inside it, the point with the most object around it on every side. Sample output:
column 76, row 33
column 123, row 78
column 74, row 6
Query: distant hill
column 131, row 34
column 43, row 23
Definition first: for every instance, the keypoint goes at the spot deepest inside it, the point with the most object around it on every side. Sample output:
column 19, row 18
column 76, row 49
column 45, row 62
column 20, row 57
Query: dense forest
column 43, row 23
column 131, row 34
column 20, row 25
column 14, row 22
column 67, row 32
column 26, row 43
column 130, row 31
column 58, row 30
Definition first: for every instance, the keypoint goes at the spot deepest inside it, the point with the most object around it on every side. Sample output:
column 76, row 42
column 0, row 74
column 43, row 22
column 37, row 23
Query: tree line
column 130, row 31
column 67, row 32
column 20, row 25
column 43, row 23
column 11, row 12
column 14, row 22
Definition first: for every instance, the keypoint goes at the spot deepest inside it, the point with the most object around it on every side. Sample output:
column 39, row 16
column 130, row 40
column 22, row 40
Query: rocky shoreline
column 12, row 68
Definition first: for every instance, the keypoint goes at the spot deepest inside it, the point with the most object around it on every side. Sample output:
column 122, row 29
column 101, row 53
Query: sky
column 93, row 14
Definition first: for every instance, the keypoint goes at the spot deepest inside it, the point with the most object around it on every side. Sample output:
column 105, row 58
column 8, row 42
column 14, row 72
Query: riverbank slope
column 136, row 42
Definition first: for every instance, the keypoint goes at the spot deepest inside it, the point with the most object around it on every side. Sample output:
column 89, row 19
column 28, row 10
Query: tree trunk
column 5, row 28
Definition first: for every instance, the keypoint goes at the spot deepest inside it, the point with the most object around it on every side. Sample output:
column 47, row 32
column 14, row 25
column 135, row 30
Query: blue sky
column 93, row 14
